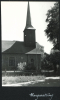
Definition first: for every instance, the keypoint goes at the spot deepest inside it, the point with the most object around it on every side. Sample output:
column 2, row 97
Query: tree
column 52, row 33
column 46, row 63
column 54, row 58
column 52, row 30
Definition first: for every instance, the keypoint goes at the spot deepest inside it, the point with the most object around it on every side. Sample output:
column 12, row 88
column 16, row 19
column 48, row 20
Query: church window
column 32, row 60
column 12, row 61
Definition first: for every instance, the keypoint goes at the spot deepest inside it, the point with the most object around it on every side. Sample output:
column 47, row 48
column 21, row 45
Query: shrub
column 21, row 66
column 30, row 67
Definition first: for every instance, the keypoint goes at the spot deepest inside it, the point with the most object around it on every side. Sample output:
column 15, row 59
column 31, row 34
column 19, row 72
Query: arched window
column 32, row 60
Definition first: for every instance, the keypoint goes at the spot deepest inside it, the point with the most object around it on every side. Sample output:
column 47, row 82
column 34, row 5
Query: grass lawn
column 39, row 81
column 19, row 79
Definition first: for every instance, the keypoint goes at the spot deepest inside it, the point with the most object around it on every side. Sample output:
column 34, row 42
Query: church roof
column 19, row 47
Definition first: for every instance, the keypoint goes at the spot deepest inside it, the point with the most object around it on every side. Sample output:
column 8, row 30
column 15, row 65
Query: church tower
column 29, row 31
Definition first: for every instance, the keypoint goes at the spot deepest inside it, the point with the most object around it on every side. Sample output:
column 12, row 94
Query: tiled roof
column 19, row 47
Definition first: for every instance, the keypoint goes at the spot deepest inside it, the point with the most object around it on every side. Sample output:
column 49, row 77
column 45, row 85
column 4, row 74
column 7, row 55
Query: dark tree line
column 53, row 35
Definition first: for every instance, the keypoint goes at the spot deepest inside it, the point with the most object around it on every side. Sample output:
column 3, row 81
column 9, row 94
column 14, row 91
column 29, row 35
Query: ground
column 19, row 79
column 39, row 81
column 47, row 83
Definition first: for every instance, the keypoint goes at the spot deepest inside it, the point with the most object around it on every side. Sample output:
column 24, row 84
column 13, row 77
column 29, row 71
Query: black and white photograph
column 30, row 44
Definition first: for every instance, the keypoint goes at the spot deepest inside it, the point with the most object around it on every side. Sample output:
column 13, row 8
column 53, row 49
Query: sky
column 13, row 20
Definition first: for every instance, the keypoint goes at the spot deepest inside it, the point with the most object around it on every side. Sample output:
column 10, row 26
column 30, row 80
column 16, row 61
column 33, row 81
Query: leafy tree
column 52, row 30
column 51, row 61
column 54, row 58
column 52, row 33
column 46, row 63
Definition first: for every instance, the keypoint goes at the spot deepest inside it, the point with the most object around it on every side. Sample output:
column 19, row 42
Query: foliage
column 54, row 58
column 46, row 64
column 21, row 66
column 30, row 67
column 51, row 61
column 52, row 33
column 52, row 30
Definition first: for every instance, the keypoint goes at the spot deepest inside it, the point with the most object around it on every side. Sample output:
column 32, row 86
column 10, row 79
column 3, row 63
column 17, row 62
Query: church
column 14, row 52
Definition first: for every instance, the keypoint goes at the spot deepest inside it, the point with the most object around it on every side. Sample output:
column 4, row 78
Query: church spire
column 28, row 20
column 29, row 31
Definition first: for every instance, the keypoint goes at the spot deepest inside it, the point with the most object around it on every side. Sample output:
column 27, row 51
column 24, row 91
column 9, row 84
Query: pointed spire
column 28, row 20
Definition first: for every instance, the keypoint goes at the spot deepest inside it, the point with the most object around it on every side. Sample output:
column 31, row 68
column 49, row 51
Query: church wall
column 18, row 58
column 37, row 60
column 4, row 61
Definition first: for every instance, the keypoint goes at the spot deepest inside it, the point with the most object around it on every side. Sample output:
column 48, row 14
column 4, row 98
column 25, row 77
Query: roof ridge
column 11, row 41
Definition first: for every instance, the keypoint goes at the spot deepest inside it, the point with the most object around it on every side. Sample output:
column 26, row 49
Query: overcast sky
column 13, row 20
